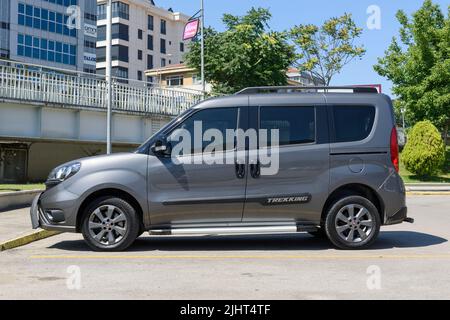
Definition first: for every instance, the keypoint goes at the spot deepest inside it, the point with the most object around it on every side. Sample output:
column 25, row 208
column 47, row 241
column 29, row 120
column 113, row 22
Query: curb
column 17, row 199
column 428, row 193
column 26, row 239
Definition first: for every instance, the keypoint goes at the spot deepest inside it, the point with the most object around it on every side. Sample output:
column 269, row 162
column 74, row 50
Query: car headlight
column 63, row 172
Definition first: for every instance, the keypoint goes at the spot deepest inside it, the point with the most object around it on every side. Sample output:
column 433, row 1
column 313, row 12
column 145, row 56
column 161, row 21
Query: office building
column 54, row 33
column 144, row 37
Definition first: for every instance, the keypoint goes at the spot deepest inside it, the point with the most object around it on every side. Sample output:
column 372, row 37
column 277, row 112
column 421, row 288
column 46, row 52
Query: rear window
column 352, row 123
column 295, row 124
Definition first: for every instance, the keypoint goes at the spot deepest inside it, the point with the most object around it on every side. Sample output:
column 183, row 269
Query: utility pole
column 202, row 28
column 403, row 110
column 108, row 75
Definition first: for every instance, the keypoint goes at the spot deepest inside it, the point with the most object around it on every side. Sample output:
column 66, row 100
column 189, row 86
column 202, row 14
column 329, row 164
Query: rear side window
column 295, row 124
column 352, row 123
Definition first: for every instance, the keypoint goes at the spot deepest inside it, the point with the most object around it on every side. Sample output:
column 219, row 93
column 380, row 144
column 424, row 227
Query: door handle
column 255, row 170
column 240, row 170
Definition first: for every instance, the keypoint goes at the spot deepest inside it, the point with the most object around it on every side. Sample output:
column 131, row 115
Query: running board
column 232, row 230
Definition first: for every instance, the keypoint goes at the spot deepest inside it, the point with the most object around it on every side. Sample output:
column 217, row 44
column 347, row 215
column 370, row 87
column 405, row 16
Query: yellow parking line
column 260, row 257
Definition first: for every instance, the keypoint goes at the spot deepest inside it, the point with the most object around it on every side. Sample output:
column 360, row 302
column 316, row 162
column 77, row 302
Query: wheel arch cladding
column 353, row 189
column 113, row 192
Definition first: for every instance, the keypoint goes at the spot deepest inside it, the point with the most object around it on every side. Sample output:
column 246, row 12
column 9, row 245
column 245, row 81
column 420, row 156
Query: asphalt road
column 407, row 262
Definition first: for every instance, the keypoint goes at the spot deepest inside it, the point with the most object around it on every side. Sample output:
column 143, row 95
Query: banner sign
column 90, row 30
column 90, row 58
column 191, row 29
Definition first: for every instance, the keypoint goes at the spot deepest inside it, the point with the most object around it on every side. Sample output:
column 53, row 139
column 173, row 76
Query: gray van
column 337, row 174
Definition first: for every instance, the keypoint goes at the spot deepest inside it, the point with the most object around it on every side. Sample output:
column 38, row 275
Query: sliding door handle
column 255, row 170
column 240, row 170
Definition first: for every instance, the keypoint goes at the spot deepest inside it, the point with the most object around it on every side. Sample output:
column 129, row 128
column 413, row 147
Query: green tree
column 424, row 153
column 418, row 64
column 246, row 54
column 325, row 50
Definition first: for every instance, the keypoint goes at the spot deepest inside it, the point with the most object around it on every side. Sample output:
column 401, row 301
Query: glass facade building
column 49, row 33
column 46, row 50
column 63, row 2
column 45, row 20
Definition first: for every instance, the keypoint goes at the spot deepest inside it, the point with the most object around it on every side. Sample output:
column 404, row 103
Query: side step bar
column 232, row 230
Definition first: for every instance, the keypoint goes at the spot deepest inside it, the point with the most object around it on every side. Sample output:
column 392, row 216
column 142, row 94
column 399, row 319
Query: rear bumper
column 399, row 217
column 39, row 218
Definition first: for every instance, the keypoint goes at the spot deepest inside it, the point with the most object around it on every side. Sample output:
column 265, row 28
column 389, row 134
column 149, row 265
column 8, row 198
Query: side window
column 352, row 123
column 220, row 119
column 295, row 124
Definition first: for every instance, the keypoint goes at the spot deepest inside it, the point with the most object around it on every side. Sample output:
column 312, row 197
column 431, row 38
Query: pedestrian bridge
column 48, row 116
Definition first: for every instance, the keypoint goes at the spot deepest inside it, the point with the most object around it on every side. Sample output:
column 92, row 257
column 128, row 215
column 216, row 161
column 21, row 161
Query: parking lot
column 408, row 261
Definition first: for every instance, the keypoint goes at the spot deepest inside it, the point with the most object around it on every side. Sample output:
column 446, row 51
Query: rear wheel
column 352, row 223
column 110, row 224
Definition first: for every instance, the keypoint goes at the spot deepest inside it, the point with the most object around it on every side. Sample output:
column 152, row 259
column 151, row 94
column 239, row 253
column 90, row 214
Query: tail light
column 394, row 149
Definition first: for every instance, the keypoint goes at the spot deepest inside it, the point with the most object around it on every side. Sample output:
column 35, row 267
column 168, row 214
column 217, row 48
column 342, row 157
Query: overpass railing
column 33, row 83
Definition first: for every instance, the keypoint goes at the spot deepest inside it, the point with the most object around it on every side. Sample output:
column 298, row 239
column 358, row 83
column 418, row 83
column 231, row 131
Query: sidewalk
column 14, row 224
column 15, row 229
column 427, row 187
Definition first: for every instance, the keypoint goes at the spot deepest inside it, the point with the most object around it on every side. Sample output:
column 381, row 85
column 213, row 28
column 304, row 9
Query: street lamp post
column 403, row 110
column 108, row 76
column 202, row 28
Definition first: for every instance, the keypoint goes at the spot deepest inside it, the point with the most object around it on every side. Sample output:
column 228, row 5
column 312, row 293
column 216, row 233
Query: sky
column 287, row 13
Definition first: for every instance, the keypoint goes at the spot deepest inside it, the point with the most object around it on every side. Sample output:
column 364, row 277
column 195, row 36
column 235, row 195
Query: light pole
column 202, row 28
column 108, row 76
column 403, row 110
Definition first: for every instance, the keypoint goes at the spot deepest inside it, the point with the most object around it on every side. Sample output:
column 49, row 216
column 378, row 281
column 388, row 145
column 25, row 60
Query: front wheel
column 352, row 223
column 110, row 224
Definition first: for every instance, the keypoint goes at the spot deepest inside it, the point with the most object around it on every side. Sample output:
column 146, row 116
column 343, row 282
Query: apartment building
column 144, row 37
column 302, row 78
column 54, row 33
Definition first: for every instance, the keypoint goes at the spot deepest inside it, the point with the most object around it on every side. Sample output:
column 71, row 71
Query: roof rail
column 287, row 89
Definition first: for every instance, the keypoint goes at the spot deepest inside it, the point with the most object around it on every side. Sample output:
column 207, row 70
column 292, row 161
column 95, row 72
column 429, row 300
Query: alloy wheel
column 108, row 225
column 354, row 223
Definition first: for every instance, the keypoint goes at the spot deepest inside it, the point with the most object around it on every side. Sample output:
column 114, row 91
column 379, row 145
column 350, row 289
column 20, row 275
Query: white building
column 301, row 78
column 144, row 37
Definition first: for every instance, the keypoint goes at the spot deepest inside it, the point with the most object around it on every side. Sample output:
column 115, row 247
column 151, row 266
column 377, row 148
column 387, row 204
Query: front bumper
column 42, row 218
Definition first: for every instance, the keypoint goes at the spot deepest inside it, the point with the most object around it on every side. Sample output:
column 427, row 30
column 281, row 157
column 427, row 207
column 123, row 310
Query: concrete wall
column 57, row 135
column 47, row 123
column 44, row 156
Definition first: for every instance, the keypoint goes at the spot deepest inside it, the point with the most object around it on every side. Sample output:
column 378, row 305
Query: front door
column 13, row 163
column 191, row 191
column 296, row 191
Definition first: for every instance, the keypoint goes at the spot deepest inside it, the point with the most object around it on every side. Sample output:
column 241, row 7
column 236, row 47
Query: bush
column 424, row 153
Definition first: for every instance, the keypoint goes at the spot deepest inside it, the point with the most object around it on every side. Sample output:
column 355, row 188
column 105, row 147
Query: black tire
column 121, row 209
column 336, row 229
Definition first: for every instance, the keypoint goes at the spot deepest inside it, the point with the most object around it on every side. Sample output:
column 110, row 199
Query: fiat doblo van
column 333, row 172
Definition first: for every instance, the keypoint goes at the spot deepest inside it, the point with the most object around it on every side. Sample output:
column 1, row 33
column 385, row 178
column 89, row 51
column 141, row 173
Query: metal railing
column 33, row 83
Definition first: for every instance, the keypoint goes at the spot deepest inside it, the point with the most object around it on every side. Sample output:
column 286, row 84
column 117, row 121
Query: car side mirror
column 161, row 147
